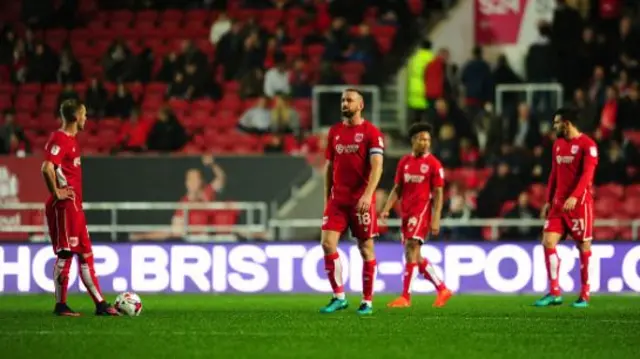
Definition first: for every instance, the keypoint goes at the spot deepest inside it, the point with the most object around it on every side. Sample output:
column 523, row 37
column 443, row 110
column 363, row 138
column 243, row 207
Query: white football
column 128, row 303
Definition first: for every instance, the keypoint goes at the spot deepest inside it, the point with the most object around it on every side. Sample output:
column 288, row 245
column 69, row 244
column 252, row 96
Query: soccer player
column 354, row 165
column 418, row 183
column 65, row 216
column 569, row 207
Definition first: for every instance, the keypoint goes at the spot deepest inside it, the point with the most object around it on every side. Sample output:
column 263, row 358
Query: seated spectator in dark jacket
column 612, row 167
column 169, row 68
column 447, row 149
column 68, row 93
column 96, row 98
column 251, row 83
column 524, row 129
column 167, row 134
column 117, row 61
column 140, row 68
column 502, row 186
column 69, row 69
column 523, row 210
column 177, row 88
column 42, row 64
column 365, row 46
column 630, row 110
column 121, row 104
column 300, row 80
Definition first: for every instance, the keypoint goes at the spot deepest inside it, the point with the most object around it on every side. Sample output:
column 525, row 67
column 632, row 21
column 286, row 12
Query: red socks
column 584, row 273
column 429, row 273
column 552, row 262
column 61, row 278
column 368, row 277
column 89, row 279
column 333, row 267
column 407, row 278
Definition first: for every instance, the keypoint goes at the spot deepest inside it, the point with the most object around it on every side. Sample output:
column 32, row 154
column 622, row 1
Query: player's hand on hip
column 570, row 204
column 435, row 226
column 544, row 212
column 65, row 193
column 364, row 204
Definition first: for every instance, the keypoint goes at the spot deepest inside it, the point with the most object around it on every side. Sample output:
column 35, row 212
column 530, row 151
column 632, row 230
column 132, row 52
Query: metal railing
column 529, row 89
column 495, row 223
column 256, row 217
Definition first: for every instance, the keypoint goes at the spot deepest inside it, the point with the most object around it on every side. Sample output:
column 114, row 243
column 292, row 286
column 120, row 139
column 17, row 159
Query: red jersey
column 63, row 151
column 349, row 148
column 418, row 176
column 572, row 170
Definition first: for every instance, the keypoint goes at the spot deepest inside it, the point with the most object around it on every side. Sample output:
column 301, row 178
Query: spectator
column 177, row 88
column 436, row 76
column 597, row 87
column 7, row 45
column 365, row 46
column 284, row 119
column 169, row 68
column 251, row 84
column 539, row 62
column 272, row 49
column 523, row 210
column 121, row 104
column 282, row 39
column 116, row 61
column 41, row 64
column 95, row 99
column 253, row 54
column 12, row 137
column 196, row 81
column 622, row 84
column 166, row 134
column 447, row 149
column 68, row 93
column 257, row 119
column 609, row 114
column 133, row 133
column 501, row 186
column 626, row 45
column 589, row 53
column 229, row 49
column 329, row 75
column 612, row 167
column 469, row 154
column 219, row 28
column 524, row 129
column 586, row 110
column 69, row 69
column 540, row 167
column 459, row 205
column 300, row 79
column 19, row 64
column 630, row 110
column 442, row 113
column 141, row 67
column 503, row 74
column 566, row 37
column 276, row 79
column 192, row 55
column 476, row 78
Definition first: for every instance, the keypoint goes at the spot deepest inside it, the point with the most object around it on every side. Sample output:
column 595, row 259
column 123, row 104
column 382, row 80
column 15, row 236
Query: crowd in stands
column 499, row 161
column 250, row 60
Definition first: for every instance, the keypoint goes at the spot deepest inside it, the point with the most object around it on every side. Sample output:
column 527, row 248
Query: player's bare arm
column 374, row 178
column 328, row 180
column 438, row 200
column 394, row 196
column 49, row 174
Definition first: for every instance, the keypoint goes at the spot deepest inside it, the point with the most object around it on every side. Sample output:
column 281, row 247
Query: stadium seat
column 171, row 15
column 610, row 190
column 633, row 191
column 147, row 15
column 194, row 16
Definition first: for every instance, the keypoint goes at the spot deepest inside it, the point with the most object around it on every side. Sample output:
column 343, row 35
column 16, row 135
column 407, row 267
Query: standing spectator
column 166, row 134
column 436, row 76
column 503, row 74
column 219, row 28
column 95, row 99
column 476, row 78
column 253, row 54
column 597, row 88
column 276, row 79
column 229, row 49
column 122, row 103
column 566, row 37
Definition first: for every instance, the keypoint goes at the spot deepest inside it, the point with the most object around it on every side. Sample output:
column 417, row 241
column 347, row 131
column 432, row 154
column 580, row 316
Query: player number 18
column 364, row 218
column 578, row 224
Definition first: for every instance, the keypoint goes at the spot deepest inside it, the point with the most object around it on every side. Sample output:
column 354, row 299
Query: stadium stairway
column 305, row 203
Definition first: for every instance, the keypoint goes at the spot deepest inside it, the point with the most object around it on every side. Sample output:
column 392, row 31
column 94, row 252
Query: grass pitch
column 289, row 326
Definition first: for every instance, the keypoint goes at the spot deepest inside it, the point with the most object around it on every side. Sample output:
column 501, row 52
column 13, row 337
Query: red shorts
column 416, row 226
column 338, row 217
column 67, row 227
column 577, row 223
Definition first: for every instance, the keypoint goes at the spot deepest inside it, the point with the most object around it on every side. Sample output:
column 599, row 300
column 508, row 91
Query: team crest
column 424, row 168
column 359, row 137
column 574, row 149
column 413, row 221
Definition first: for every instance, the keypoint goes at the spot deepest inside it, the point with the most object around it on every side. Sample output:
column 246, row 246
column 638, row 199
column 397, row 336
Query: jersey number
column 364, row 219
column 578, row 224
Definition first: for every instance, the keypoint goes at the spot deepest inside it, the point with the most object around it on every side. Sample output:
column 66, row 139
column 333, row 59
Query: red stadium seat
column 193, row 16
column 30, row 88
column 633, row 191
column 604, row 233
column 5, row 102
column 315, row 50
column 121, row 15
column 171, row 15
column 604, row 207
column 610, row 190
column 147, row 15
column 7, row 89
column 56, row 35
column 49, row 102
column 26, row 102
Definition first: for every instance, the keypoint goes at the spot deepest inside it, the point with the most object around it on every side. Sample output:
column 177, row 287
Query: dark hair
column 418, row 127
column 351, row 89
column 567, row 114
column 69, row 108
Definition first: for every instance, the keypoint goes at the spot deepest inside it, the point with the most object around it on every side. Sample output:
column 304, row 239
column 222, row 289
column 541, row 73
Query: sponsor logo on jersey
column 564, row 159
column 409, row 178
column 346, row 149
column 412, row 221
column 359, row 137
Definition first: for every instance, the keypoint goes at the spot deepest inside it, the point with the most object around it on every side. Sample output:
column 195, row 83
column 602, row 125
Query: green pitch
column 289, row 326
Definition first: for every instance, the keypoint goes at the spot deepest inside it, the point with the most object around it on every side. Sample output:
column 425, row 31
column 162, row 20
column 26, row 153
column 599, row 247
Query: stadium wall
column 298, row 268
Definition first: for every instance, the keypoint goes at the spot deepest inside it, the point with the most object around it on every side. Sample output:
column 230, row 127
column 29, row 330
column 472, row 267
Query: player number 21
column 364, row 218
column 578, row 224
